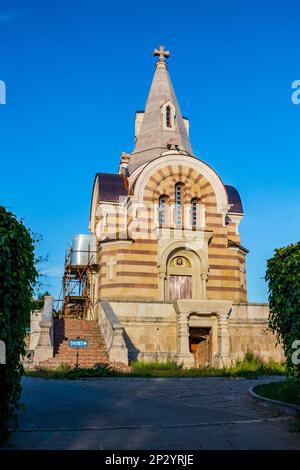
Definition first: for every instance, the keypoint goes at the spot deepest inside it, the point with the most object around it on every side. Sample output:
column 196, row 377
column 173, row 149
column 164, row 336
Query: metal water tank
column 83, row 250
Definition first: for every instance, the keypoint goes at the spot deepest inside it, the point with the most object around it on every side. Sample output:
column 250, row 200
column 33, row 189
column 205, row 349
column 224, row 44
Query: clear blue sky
column 76, row 71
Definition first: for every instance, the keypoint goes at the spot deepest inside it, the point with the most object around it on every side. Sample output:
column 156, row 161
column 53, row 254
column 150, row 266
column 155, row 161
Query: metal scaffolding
column 78, row 296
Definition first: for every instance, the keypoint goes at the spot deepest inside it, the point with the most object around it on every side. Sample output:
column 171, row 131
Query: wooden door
column 200, row 346
column 180, row 287
column 202, row 352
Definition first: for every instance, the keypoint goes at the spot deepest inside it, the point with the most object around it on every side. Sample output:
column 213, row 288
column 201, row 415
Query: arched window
column 162, row 210
column 195, row 212
column 179, row 189
column 168, row 116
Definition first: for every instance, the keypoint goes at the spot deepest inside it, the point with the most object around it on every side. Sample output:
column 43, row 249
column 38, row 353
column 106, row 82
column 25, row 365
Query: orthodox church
column 171, row 283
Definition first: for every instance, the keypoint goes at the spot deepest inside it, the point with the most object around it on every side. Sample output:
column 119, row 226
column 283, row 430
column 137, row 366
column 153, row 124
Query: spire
column 162, row 126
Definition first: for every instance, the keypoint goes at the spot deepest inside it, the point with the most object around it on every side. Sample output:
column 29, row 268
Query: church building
column 171, row 283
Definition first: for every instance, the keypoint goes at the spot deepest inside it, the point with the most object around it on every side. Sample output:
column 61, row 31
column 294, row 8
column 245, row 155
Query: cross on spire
column 161, row 53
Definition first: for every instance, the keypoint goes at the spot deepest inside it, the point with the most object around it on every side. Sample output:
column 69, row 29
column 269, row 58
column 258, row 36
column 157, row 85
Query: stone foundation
column 248, row 328
column 159, row 331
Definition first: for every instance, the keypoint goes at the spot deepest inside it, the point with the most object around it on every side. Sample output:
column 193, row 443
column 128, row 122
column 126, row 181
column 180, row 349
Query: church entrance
column 200, row 346
column 185, row 275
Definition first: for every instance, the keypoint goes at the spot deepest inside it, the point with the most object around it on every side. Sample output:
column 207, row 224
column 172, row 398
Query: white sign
column 2, row 352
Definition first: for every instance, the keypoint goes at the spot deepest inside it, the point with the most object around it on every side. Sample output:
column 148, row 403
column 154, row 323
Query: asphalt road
column 198, row 413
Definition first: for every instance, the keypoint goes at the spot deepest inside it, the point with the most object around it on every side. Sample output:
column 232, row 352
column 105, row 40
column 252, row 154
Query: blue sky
column 76, row 71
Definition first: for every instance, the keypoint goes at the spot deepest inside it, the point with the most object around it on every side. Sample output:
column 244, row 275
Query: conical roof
column 154, row 137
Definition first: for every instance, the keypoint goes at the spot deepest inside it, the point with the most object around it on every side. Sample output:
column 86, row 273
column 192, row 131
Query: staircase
column 93, row 355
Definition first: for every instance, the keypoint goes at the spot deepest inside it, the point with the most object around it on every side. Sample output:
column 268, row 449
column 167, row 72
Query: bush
column 17, row 278
column 283, row 277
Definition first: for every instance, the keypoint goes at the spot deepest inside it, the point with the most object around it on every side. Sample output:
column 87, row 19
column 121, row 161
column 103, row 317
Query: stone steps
column 65, row 329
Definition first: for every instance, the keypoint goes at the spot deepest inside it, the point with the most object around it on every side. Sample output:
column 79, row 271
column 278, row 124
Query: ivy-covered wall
column 283, row 277
column 17, row 279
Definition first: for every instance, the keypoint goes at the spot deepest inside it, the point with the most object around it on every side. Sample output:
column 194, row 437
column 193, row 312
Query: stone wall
column 150, row 329
column 35, row 329
column 113, row 333
column 40, row 345
column 248, row 325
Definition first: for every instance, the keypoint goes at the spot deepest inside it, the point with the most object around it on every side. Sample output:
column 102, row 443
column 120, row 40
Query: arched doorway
column 177, row 258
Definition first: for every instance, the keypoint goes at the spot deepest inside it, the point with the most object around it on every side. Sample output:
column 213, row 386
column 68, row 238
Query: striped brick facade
column 127, row 236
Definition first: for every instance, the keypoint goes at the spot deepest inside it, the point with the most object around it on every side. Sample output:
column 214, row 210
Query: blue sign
column 78, row 343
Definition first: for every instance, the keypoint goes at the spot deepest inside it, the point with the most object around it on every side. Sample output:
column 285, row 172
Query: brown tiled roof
column 111, row 187
column 234, row 199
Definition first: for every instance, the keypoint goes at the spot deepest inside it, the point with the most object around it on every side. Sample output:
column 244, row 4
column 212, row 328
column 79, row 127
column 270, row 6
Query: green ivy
column 283, row 277
column 18, row 276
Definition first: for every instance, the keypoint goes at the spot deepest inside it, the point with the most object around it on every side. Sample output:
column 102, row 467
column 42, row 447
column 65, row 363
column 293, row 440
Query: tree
column 283, row 277
column 18, row 276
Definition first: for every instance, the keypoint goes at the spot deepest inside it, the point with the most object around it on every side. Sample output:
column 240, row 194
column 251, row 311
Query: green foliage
column 64, row 371
column 17, row 278
column 141, row 366
column 287, row 391
column 250, row 368
column 283, row 277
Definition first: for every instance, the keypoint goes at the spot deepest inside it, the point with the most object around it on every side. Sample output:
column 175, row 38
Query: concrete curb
column 277, row 405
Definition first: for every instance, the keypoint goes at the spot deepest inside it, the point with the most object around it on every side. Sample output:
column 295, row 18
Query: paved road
column 198, row 413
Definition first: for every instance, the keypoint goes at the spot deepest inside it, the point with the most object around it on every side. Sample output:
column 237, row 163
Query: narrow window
column 195, row 212
column 168, row 116
column 179, row 188
column 162, row 210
